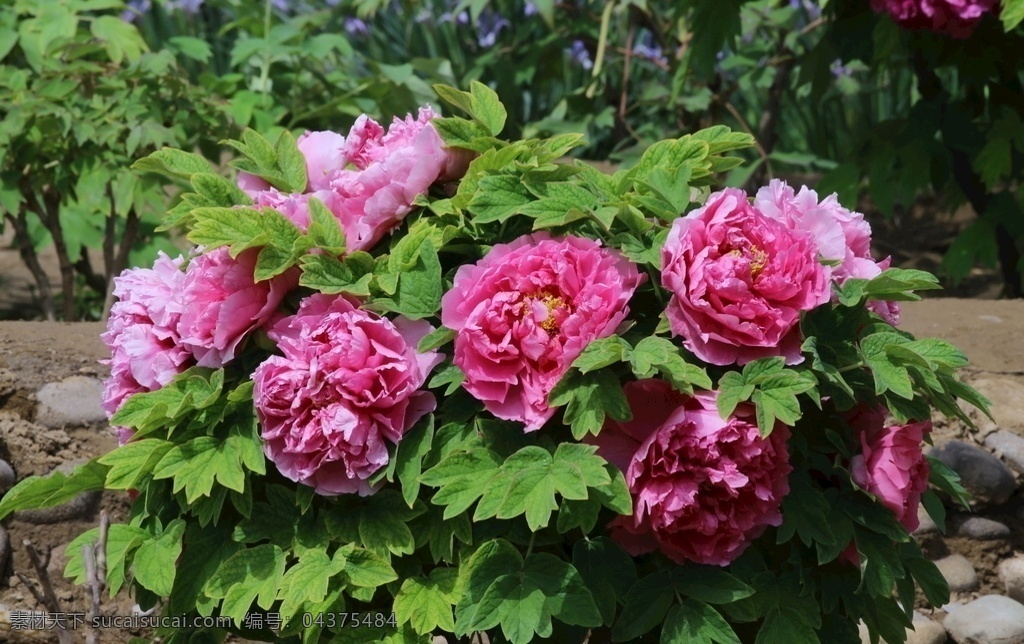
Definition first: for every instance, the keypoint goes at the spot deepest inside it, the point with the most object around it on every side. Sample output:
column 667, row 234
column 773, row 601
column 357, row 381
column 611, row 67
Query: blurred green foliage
column 829, row 88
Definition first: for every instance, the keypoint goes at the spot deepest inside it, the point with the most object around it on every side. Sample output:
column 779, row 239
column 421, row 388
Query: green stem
column 265, row 67
column 529, row 548
column 851, row 367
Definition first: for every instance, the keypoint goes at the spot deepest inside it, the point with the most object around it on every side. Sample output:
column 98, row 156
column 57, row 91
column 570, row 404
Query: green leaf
column 130, row 463
column 435, row 339
column 776, row 398
column 932, row 583
column 307, row 581
column 899, row 284
column 607, row 570
column 122, row 541
column 364, row 568
column 694, row 622
column 45, row 492
column 194, row 48
column 944, row 478
column 486, row 108
column 426, row 602
column 155, row 561
column 888, row 375
column 324, row 228
column 533, row 479
column 1011, row 13
column 121, row 39
column 645, row 606
column 522, row 596
column 786, row 625
column 243, row 228
column 658, row 354
column 196, row 464
column 497, row 198
column 463, row 477
column 460, row 133
column 419, row 288
column 709, row 584
column 383, row 524
column 589, row 399
column 330, row 275
column 291, row 161
column 173, row 163
column 218, row 190
column 249, row 574
column 408, row 459
column 805, row 512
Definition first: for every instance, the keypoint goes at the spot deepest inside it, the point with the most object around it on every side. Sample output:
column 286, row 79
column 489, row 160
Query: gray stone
column 7, row 477
column 983, row 529
column 1007, row 398
column 1011, row 573
column 992, row 619
column 926, row 523
column 1008, row 445
column 985, row 477
column 958, row 572
column 72, row 401
column 925, row 631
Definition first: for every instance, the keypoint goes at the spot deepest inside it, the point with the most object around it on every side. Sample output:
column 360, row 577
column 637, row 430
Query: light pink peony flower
column 347, row 385
column 956, row 18
column 524, row 312
column 145, row 348
column 221, row 303
column 703, row 488
column 739, row 281
column 891, row 464
column 842, row 236
column 368, row 179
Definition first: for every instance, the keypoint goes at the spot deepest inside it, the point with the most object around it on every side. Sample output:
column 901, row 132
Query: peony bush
column 421, row 381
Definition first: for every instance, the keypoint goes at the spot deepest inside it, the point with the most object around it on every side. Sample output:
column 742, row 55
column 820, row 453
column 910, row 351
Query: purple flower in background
column 488, row 27
column 135, row 9
column 530, row 9
column 839, row 70
column 188, row 6
column 356, row 27
column 646, row 48
column 580, row 55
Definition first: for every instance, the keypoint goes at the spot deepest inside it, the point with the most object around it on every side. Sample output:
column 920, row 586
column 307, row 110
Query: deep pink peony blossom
column 221, row 303
column 347, row 385
column 524, row 312
column 368, row 179
column 142, row 333
column 956, row 18
column 842, row 235
column 703, row 488
column 739, row 281
column 891, row 464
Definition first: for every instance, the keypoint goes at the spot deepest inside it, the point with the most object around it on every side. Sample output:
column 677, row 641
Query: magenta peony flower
column 891, row 464
column 956, row 18
column 142, row 334
column 348, row 384
column 842, row 236
column 703, row 488
column 221, row 303
column 368, row 179
column 739, row 280
column 524, row 312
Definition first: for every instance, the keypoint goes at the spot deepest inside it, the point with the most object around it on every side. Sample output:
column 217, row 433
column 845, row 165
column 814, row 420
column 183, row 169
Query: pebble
column 1011, row 573
column 72, row 401
column 958, row 572
column 983, row 529
column 7, row 477
column 1009, row 445
column 985, row 477
column 926, row 524
column 1007, row 397
column 926, row 631
column 992, row 619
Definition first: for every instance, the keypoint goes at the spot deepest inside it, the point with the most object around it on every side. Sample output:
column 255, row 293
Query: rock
column 926, row 523
column 7, row 477
column 926, row 631
column 958, row 572
column 72, row 401
column 1008, row 445
column 992, row 619
column 1007, row 398
column 985, row 477
column 1011, row 573
column 983, row 529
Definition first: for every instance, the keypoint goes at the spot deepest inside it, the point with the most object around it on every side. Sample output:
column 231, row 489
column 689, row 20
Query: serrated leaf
column 249, row 574
column 645, row 606
column 607, row 570
column 497, row 198
column 173, row 163
column 658, row 354
column 694, row 622
column 1011, row 13
column 307, row 581
column 45, row 492
column 132, row 462
column 425, row 603
column 155, row 562
column 601, row 353
column 330, row 275
column 364, row 568
column 588, row 400
column 486, row 108
column 462, row 478
column 324, row 228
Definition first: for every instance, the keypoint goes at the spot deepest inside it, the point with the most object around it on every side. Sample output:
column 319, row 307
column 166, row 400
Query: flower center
column 552, row 303
column 757, row 257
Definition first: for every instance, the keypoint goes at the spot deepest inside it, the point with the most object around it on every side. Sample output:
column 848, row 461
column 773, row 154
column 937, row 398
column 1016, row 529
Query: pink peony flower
column 142, row 333
column 348, row 384
column 703, row 488
column 891, row 464
column 368, row 179
column 739, row 280
column 221, row 303
column 842, row 236
column 524, row 312
column 956, row 18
